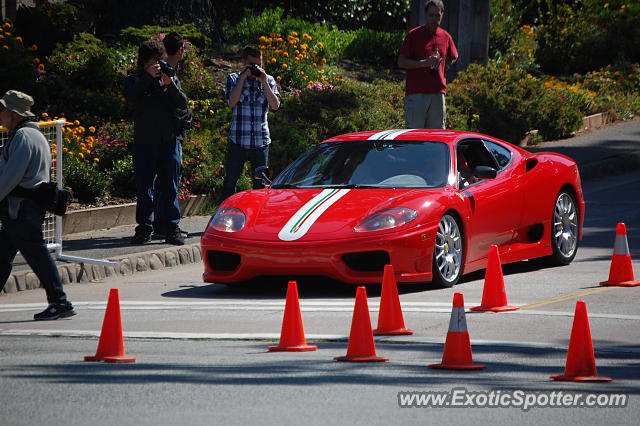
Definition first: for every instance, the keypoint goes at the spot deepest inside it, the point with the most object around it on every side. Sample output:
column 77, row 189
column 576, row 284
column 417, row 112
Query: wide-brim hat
column 18, row 102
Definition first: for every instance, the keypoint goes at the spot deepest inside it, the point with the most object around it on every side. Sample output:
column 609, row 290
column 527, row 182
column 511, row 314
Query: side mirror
column 260, row 173
column 485, row 172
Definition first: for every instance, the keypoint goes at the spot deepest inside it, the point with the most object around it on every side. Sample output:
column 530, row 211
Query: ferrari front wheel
column 447, row 252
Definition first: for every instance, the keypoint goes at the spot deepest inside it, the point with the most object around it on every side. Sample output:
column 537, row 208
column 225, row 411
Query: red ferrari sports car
column 429, row 202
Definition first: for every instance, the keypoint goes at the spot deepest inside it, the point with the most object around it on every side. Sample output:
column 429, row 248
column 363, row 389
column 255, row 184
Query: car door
column 496, row 204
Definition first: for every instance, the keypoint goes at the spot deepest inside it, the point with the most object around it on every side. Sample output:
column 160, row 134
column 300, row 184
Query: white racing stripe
column 305, row 217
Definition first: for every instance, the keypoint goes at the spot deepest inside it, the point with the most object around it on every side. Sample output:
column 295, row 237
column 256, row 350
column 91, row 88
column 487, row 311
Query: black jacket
column 159, row 110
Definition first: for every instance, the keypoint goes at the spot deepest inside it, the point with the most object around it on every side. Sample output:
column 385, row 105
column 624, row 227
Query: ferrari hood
column 317, row 214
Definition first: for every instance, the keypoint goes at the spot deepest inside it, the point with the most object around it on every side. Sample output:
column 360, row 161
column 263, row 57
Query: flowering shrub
column 20, row 68
column 112, row 142
column 294, row 60
column 508, row 103
column 618, row 89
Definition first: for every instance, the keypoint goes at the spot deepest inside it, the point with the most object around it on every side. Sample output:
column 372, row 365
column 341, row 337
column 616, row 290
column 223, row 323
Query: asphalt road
column 202, row 358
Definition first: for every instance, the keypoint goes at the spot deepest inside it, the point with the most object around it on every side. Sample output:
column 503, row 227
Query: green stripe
column 295, row 225
column 386, row 134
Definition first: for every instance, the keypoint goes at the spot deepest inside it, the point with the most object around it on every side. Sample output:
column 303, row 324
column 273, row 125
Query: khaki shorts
column 425, row 111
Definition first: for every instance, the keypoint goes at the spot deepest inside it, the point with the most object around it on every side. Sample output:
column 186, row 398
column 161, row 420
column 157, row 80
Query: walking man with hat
column 25, row 162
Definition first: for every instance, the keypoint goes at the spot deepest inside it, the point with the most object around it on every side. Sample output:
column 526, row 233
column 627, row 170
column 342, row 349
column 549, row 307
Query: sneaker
column 141, row 237
column 55, row 311
column 175, row 237
column 161, row 235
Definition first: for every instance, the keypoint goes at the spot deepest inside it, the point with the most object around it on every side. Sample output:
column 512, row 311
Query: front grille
column 367, row 261
column 223, row 260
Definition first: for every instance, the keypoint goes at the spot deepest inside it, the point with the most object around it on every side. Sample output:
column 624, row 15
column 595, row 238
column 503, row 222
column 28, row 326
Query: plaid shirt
column 249, row 127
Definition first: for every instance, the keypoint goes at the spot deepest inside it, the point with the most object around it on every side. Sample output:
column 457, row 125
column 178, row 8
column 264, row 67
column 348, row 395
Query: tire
column 564, row 230
column 447, row 253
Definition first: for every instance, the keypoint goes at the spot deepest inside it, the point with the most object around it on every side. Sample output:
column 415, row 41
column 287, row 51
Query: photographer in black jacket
column 160, row 105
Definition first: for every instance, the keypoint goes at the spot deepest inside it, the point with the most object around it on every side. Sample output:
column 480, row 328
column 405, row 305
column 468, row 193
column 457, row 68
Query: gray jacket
column 24, row 161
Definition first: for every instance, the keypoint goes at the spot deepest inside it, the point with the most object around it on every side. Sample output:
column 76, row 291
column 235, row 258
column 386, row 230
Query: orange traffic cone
column 457, row 347
column 361, row 346
column 390, row 321
column 621, row 272
column 292, row 332
column 494, row 296
column 111, row 343
column 581, row 362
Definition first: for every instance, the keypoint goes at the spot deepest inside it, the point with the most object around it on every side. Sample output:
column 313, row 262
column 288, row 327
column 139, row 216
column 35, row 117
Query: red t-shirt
column 420, row 44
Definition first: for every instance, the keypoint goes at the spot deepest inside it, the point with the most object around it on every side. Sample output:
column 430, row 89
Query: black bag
column 51, row 198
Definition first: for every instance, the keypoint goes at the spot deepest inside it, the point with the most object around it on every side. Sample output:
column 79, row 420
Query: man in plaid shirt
column 250, row 93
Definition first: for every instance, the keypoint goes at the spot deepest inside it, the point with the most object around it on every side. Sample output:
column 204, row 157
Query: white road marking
column 310, row 337
column 305, row 306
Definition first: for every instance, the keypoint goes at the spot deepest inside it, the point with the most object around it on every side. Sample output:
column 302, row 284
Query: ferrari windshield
column 369, row 164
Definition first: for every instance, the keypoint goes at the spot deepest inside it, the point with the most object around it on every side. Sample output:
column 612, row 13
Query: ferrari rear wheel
column 564, row 230
column 447, row 252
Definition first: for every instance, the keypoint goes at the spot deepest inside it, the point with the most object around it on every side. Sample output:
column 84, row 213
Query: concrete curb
column 126, row 265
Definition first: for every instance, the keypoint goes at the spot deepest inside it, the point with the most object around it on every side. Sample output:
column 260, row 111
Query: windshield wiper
column 349, row 186
column 284, row 186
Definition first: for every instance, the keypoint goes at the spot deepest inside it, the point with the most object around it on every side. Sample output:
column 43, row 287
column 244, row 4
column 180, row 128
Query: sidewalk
column 609, row 151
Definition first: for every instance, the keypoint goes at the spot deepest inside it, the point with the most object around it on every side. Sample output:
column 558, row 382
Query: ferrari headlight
column 228, row 219
column 387, row 219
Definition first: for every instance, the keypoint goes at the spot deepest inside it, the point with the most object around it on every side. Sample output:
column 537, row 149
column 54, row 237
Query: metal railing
column 52, row 226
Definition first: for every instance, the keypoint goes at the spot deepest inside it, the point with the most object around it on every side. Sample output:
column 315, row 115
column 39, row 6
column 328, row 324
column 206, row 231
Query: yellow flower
column 81, row 155
column 97, row 160
column 19, row 39
column 324, row 60
column 320, row 44
column 5, row 47
column 285, row 54
column 284, row 65
column 295, row 34
column 7, row 25
column 301, row 72
column 92, row 129
column 262, row 39
column 77, row 122
column 273, row 60
column 1, row 36
column 41, row 67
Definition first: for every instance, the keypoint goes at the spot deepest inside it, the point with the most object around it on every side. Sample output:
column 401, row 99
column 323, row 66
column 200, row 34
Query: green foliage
column 295, row 60
column 86, row 78
column 310, row 116
column 202, row 162
column 48, row 23
column 617, row 89
column 375, row 47
column 122, row 178
column 85, row 179
column 380, row 15
column 136, row 36
column 508, row 103
column 251, row 28
column 19, row 67
column 196, row 81
column 113, row 141
column 506, row 18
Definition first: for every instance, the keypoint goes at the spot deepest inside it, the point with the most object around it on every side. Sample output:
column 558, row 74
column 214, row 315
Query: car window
column 500, row 153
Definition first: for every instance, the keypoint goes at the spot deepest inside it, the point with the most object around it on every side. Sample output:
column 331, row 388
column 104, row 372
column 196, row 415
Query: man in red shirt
column 422, row 55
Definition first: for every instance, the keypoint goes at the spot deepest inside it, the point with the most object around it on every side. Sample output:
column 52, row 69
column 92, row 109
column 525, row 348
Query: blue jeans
column 234, row 163
column 24, row 234
column 157, row 169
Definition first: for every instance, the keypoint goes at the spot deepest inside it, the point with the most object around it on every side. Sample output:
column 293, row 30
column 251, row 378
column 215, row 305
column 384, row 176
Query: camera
column 254, row 70
column 166, row 69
